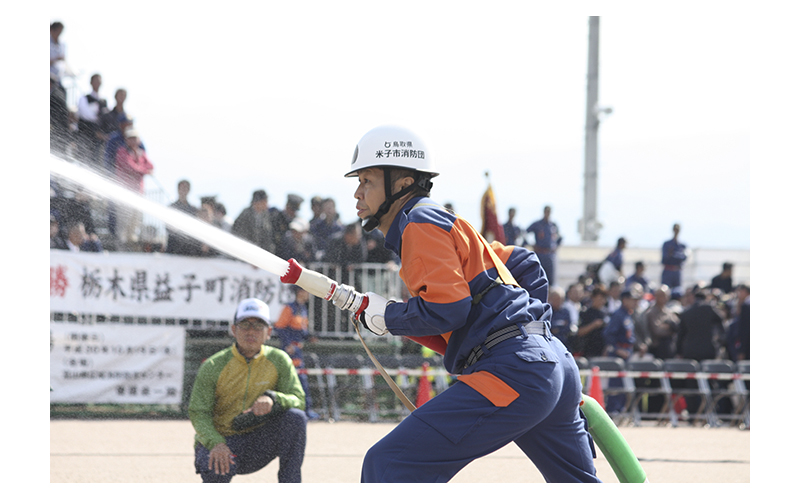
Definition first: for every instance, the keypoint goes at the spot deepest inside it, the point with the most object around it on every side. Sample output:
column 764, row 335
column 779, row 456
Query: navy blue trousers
column 459, row 425
column 283, row 436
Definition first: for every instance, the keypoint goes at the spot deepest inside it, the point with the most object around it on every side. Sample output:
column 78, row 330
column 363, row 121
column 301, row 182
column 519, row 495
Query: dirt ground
column 160, row 451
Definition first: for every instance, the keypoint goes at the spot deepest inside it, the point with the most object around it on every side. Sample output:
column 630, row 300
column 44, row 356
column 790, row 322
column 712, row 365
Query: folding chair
column 441, row 379
column 347, row 391
column 682, row 375
column 385, row 399
column 723, row 391
column 316, row 384
column 408, row 383
column 743, row 385
column 584, row 369
column 617, row 391
column 653, row 393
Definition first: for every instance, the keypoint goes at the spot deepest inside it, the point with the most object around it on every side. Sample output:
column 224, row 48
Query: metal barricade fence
column 327, row 320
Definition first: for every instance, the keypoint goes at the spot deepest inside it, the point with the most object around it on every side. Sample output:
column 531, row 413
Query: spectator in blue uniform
column 546, row 242
column 619, row 333
column 638, row 277
column 620, row 341
column 561, row 325
column 611, row 268
column 512, row 232
column 673, row 255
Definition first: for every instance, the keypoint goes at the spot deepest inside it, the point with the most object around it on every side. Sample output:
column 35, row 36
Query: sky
column 275, row 96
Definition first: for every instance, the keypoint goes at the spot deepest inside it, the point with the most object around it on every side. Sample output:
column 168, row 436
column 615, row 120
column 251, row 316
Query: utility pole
column 589, row 227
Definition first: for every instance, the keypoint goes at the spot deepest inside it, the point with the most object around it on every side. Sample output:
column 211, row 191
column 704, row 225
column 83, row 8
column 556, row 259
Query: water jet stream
column 179, row 221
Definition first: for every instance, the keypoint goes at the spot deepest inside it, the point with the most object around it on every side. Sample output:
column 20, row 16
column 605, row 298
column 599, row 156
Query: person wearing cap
column 592, row 320
column 254, row 223
column 247, row 405
column 297, row 243
column 326, row 228
column 611, row 268
column 546, row 243
column 638, row 277
column 484, row 308
column 620, row 341
column 724, row 280
column 673, row 255
column 282, row 218
column 619, row 334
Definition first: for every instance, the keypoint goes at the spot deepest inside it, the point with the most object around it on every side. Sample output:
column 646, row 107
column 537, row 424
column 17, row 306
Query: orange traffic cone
column 424, row 390
column 596, row 387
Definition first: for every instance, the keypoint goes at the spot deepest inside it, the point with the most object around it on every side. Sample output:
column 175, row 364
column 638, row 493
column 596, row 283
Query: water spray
column 290, row 272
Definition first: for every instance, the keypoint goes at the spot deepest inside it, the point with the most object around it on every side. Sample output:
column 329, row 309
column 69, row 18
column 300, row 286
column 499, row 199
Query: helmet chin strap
column 373, row 221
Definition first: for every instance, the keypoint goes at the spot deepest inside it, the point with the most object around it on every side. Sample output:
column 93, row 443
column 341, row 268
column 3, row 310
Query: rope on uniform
column 392, row 385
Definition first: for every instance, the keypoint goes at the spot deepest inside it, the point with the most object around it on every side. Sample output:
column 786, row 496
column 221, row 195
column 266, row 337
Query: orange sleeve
column 442, row 281
column 285, row 319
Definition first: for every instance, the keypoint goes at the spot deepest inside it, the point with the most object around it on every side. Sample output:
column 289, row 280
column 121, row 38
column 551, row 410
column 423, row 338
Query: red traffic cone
column 596, row 387
column 424, row 390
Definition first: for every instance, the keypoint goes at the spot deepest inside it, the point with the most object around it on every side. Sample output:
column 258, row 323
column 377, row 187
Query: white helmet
column 389, row 146
column 392, row 147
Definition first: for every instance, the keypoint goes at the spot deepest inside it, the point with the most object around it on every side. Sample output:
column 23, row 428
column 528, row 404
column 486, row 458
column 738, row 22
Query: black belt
column 509, row 332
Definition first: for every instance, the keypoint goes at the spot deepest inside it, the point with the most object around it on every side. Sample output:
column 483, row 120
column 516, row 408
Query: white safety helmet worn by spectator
column 390, row 147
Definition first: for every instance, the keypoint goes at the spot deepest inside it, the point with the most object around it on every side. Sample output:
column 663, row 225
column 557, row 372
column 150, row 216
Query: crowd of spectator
column 102, row 138
column 627, row 320
column 602, row 313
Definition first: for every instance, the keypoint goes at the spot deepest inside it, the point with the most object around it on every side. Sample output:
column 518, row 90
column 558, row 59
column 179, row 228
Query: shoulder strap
column 502, row 270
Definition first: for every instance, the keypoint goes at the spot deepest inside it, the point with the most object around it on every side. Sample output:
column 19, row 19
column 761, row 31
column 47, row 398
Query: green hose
column 610, row 441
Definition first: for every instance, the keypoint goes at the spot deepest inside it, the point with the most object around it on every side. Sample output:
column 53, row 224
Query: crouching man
column 247, row 405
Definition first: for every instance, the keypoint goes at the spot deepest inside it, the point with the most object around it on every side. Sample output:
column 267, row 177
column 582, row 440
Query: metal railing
column 327, row 320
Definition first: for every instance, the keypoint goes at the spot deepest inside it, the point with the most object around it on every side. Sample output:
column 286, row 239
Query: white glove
column 372, row 311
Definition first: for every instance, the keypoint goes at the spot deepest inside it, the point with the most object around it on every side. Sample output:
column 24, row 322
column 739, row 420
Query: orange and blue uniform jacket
column 444, row 264
column 291, row 328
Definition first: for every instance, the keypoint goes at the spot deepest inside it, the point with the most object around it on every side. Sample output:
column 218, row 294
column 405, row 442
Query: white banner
column 158, row 285
column 112, row 363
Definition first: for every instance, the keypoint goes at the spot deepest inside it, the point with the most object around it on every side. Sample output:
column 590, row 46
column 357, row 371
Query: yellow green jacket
column 228, row 383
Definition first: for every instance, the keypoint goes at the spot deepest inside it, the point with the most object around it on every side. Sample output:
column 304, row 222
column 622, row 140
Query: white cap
column 299, row 224
column 252, row 308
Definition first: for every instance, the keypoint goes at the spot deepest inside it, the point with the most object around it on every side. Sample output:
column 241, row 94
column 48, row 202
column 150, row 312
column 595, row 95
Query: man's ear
column 403, row 183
